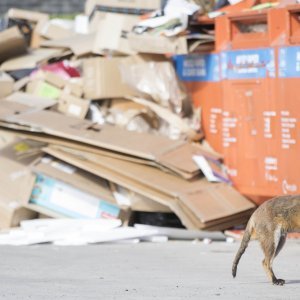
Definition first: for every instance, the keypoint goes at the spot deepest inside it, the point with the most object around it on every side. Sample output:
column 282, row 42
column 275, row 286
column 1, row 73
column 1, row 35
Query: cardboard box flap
column 52, row 122
column 14, row 172
column 180, row 157
column 12, row 175
column 30, row 60
column 22, row 151
column 243, row 217
column 152, row 177
column 102, row 79
column 216, row 201
column 114, row 39
column 146, row 43
column 58, row 141
column 30, row 100
column 229, row 224
column 53, row 31
column 142, row 145
column 79, row 44
column 21, row 83
column 12, row 43
column 9, row 108
column 108, row 137
column 50, row 77
column 17, row 129
column 196, row 217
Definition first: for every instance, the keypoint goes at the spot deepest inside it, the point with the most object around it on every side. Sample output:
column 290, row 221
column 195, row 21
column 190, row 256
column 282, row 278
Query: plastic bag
column 157, row 80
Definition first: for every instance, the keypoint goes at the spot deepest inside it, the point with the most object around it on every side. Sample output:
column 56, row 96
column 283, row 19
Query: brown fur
column 269, row 224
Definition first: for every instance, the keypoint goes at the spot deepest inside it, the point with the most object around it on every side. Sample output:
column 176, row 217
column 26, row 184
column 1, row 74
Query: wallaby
column 269, row 224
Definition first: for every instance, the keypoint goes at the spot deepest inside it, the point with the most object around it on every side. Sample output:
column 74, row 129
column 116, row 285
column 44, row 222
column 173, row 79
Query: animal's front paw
column 279, row 281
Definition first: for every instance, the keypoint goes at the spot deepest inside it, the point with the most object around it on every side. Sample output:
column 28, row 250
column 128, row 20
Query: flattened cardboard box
column 85, row 131
column 89, row 183
column 31, row 59
column 41, row 137
column 112, row 176
column 143, row 145
column 11, row 108
column 215, row 194
column 102, row 79
column 198, row 204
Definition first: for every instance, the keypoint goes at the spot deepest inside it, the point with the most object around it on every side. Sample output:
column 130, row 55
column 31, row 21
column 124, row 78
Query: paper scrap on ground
column 54, row 230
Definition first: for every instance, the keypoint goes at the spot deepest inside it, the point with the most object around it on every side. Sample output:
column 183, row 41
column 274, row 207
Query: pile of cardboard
column 93, row 126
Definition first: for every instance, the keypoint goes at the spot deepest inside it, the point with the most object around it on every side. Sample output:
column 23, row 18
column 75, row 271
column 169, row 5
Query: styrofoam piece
column 156, row 239
column 121, row 233
column 184, row 234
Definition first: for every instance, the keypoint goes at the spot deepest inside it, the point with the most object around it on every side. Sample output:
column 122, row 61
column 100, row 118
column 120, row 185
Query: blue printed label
column 108, row 211
column 198, row 67
column 248, row 64
column 289, row 62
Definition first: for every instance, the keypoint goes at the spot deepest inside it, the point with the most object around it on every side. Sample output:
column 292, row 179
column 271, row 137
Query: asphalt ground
column 172, row 270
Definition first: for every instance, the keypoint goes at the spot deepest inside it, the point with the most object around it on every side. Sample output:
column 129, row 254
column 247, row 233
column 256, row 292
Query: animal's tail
column 243, row 246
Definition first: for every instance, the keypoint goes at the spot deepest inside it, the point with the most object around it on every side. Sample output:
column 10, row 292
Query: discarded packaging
column 96, row 127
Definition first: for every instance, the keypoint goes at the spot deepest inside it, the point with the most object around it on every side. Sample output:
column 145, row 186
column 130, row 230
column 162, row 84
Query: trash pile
column 96, row 125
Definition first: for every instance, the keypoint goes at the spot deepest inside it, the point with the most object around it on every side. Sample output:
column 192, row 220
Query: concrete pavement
column 173, row 270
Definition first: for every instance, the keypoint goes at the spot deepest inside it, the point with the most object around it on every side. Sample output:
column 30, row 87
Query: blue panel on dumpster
column 289, row 62
column 198, row 67
column 248, row 64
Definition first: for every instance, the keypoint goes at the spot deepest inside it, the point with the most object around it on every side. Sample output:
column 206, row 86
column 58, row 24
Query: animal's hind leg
column 271, row 248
